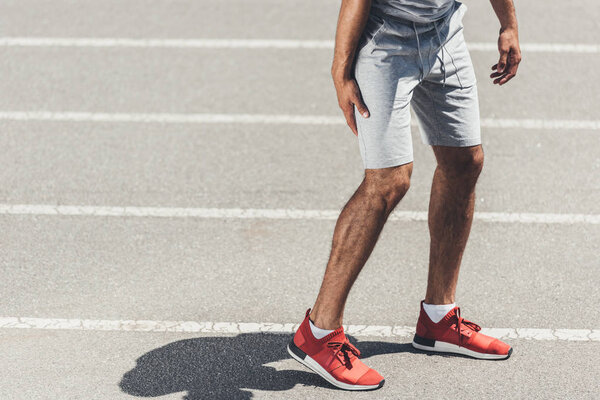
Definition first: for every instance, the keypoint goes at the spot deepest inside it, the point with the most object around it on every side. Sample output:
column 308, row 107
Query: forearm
column 351, row 22
column 505, row 11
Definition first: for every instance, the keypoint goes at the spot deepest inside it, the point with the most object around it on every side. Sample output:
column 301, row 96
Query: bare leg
column 356, row 232
column 450, row 216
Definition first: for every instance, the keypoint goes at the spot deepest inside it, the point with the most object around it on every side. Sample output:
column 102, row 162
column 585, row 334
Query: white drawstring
column 422, row 66
column 442, row 59
column 437, row 32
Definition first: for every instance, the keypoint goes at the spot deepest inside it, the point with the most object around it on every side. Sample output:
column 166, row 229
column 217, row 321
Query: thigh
column 384, row 137
column 448, row 116
column 446, row 101
column 386, row 86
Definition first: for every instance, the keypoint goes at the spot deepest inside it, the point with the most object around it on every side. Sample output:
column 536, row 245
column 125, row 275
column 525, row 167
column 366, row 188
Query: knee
column 473, row 165
column 468, row 166
column 395, row 191
column 389, row 189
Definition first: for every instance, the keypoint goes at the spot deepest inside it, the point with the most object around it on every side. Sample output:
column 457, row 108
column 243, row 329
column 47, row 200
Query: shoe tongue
column 336, row 336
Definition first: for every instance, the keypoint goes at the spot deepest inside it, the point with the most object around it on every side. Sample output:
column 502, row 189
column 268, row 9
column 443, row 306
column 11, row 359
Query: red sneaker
column 454, row 334
column 334, row 358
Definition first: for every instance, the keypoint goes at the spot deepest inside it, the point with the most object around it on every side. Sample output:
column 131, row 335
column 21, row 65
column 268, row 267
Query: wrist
column 509, row 28
column 341, row 72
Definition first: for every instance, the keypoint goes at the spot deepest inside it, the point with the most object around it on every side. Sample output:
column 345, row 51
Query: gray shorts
column 400, row 63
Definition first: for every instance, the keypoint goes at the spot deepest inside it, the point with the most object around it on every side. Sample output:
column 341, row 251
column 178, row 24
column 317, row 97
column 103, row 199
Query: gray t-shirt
column 420, row 11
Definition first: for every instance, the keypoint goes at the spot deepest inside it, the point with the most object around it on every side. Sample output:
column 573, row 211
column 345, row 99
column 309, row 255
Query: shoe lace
column 343, row 351
column 464, row 327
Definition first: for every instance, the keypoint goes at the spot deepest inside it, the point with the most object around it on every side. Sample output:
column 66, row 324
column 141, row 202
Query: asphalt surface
column 110, row 365
column 515, row 275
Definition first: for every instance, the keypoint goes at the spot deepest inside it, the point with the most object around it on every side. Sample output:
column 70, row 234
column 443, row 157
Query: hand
column 348, row 95
column 510, row 56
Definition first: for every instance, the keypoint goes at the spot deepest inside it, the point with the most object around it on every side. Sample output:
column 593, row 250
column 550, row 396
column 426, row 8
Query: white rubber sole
column 304, row 359
column 444, row 347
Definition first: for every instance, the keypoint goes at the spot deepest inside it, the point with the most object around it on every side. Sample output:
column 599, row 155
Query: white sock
column 318, row 332
column 436, row 312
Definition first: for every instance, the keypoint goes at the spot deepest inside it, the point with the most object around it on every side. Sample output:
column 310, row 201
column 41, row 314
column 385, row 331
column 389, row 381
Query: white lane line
column 166, row 43
column 255, row 327
column 205, row 118
column 541, row 47
column 560, row 124
column 256, row 44
column 171, row 118
column 274, row 213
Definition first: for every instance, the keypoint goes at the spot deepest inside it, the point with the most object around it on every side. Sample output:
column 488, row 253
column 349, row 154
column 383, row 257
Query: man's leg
column 450, row 215
column 330, row 353
column 442, row 328
column 355, row 235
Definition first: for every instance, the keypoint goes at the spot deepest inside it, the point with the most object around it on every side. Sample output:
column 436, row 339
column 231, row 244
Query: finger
column 506, row 78
column 502, row 62
column 509, row 73
column 495, row 75
column 494, row 67
column 360, row 105
column 513, row 64
column 356, row 99
column 350, row 118
column 515, row 55
column 497, row 81
column 503, row 79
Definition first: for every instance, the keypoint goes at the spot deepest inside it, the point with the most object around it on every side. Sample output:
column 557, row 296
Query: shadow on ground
column 223, row 367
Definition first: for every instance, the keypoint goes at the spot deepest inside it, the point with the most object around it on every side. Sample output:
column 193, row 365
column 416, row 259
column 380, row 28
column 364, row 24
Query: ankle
column 317, row 332
column 323, row 321
column 439, row 299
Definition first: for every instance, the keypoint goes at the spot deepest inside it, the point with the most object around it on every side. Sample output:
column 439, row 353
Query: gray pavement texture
column 257, row 166
column 514, row 275
column 261, row 271
column 109, row 365
column 269, row 81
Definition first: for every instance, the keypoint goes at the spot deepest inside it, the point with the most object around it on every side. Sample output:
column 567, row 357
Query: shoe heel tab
column 421, row 308
column 422, row 311
column 305, row 324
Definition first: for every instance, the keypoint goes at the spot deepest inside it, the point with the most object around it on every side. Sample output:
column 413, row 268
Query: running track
column 171, row 176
